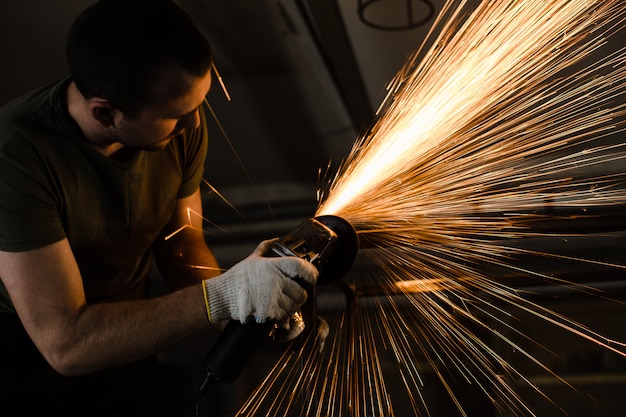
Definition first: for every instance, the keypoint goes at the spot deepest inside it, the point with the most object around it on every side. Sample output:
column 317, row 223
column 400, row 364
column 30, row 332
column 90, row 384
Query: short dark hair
column 118, row 49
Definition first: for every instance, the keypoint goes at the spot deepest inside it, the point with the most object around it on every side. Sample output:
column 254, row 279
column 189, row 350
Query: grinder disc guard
column 344, row 253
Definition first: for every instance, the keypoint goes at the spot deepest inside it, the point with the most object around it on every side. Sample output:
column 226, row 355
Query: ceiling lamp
column 395, row 14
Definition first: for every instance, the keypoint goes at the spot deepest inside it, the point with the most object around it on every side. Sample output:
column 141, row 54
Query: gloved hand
column 262, row 287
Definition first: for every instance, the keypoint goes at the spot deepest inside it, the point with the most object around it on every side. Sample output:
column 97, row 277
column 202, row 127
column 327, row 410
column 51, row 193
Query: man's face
column 177, row 110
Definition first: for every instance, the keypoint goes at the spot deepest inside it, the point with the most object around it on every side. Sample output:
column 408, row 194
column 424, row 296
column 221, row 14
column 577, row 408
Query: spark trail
column 499, row 116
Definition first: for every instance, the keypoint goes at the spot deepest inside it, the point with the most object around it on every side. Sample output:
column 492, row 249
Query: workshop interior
column 302, row 81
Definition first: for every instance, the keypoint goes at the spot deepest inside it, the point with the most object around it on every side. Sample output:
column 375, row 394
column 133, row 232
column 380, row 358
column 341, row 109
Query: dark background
column 305, row 79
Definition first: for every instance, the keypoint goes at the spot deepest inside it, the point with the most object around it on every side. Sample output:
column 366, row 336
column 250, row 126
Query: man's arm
column 181, row 252
column 46, row 289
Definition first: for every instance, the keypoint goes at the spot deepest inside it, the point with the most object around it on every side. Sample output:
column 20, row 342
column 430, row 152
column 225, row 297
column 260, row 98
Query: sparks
column 499, row 119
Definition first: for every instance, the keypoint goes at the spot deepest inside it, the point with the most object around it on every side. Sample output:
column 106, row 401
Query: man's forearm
column 111, row 334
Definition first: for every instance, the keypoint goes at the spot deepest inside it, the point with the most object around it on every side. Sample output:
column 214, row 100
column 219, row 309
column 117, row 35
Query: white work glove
column 259, row 287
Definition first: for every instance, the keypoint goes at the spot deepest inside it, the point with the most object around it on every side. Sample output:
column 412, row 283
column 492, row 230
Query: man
column 95, row 172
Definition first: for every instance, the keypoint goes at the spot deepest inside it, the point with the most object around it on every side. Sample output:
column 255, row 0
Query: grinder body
column 330, row 244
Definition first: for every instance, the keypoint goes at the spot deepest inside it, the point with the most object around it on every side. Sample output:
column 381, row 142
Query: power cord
column 209, row 378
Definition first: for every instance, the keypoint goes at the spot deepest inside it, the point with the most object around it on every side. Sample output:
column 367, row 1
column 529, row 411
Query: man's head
column 120, row 51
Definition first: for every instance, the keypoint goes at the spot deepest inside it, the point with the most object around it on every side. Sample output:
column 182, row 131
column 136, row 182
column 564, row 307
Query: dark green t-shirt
column 53, row 185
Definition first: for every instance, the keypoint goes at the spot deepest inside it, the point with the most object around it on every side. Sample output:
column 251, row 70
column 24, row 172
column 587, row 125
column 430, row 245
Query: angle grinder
column 328, row 242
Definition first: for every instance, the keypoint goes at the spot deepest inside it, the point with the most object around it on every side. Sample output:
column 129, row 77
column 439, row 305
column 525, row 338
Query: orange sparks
column 496, row 123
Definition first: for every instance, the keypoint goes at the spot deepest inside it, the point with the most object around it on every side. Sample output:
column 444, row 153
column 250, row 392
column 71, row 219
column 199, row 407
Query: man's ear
column 102, row 111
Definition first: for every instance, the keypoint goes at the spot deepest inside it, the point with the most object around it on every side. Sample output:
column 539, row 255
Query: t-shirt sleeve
column 29, row 210
column 194, row 158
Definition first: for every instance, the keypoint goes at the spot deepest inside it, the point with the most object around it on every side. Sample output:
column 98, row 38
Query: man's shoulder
column 31, row 106
column 36, row 113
